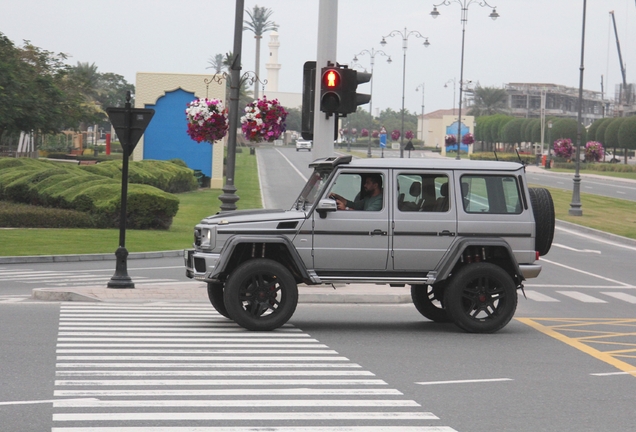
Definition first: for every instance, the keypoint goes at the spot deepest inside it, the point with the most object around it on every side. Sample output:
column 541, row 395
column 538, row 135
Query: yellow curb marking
column 567, row 324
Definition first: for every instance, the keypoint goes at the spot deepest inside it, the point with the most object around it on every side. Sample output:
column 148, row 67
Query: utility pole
column 327, row 40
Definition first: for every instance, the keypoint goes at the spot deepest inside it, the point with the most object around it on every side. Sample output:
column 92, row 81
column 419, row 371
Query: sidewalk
column 196, row 292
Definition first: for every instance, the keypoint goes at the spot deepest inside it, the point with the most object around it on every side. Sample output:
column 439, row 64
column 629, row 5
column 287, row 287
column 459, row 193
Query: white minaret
column 272, row 65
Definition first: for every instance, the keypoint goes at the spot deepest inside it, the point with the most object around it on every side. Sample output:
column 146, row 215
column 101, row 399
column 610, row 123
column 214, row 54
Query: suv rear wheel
column 261, row 294
column 481, row 298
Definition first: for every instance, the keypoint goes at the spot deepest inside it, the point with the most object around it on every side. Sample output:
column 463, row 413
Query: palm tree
column 489, row 101
column 216, row 63
column 259, row 24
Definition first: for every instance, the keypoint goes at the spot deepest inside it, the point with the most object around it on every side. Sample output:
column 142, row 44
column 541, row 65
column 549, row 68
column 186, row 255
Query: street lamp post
column 417, row 89
column 405, row 37
column 464, row 18
column 575, row 205
column 454, row 81
column 372, row 54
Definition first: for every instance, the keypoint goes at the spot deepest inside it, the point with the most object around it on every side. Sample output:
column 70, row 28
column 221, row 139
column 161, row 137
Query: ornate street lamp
column 575, row 205
column 372, row 53
column 549, row 158
column 464, row 18
column 405, row 37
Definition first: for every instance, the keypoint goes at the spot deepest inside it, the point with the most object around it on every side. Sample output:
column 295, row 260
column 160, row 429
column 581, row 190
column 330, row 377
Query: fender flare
column 457, row 248
column 231, row 244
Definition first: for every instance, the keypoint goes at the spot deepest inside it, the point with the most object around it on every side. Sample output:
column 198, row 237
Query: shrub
column 13, row 215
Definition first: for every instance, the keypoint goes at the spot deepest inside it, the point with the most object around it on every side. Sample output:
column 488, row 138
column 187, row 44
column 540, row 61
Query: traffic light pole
column 327, row 41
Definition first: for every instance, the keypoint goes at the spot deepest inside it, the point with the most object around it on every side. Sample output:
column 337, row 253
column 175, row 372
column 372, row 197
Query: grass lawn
column 193, row 206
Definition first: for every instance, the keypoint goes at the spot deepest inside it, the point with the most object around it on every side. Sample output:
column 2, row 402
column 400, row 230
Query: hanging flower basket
column 409, row 134
column 264, row 120
column 364, row 133
column 468, row 139
column 594, row 151
column 450, row 140
column 207, row 120
column 563, row 148
column 395, row 135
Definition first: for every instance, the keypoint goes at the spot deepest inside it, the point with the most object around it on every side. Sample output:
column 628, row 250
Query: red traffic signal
column 331, row 79
column 330, row 90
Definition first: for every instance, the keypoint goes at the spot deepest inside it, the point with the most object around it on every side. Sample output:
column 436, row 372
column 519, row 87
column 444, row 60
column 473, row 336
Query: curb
column 38, row 259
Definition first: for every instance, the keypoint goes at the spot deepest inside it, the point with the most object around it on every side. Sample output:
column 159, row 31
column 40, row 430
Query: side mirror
column 325, row 206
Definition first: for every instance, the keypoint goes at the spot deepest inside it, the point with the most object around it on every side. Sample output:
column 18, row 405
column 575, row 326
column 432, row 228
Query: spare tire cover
column 543, row 210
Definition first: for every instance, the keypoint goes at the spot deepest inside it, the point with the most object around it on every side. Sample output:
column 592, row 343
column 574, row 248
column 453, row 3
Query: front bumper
column 200, row 265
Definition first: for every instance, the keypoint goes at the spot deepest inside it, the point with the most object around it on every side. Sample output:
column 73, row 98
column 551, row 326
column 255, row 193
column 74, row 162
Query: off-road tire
column 543, row 210
column 481, row 298
column 261, row 294
column 215, row 294
column 429, row 301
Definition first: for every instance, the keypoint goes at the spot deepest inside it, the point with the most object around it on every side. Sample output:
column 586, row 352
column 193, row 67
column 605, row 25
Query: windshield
column 311, row 190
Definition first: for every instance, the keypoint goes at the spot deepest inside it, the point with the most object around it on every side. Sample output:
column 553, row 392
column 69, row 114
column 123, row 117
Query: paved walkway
column 197, row 292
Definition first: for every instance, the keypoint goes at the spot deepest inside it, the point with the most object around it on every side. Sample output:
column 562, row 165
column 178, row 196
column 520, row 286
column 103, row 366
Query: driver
column 372, row 199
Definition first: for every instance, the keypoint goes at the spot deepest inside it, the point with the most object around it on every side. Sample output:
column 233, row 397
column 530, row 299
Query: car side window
column 422, row 192
column 351, row 187
column 490, row 194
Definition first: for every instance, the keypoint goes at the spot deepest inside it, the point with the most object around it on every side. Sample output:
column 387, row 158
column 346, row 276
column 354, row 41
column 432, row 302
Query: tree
column 591, row 132
column 293, row 119
column 511, row 132
column 259, row 23
column 489, row 101
column 611, row 133
column 217, row 63
column 627, row 134
column 566, row 128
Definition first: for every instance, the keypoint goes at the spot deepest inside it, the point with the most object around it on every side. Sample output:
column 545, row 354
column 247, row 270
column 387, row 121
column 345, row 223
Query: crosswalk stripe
column 232, row 392
column 211, row 365
column 537, row 296
column 585, row 298
column 235, row 373
column 127, row 361
column 413, row 415
column 248, row 403
column 621, row 296
column 259, row 429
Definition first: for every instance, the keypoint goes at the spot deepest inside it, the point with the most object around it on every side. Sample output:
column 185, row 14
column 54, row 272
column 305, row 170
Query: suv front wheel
column 260, row 294
column 429, row 301
column 481, row 298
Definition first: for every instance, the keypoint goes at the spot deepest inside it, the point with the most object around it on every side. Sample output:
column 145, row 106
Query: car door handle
column 446, row 233
column 377, row 232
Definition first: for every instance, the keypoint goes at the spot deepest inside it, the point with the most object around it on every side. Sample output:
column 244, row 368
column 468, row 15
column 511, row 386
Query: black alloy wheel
column 261, row 294
column 481, row 298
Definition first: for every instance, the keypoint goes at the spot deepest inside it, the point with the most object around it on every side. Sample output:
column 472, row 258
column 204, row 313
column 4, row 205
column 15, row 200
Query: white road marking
column 220, row 382
column 259, row 429
column 585, row 272
column 195, row 351
column 202, row 344
column 576, row 250
column 464, row 381
column 234, row 373
column 596, row 239
column 48, row 401
column 201, row 358
column 96, row 403
column 537, row 296
column 614, row 373
column 292, row 165
column 211, row 365
column 581, row 297
column 233, row 392
column 622, row 296
column 158, row 416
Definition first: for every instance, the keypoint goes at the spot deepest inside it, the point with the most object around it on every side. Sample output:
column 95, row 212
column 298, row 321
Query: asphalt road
column 563, row 363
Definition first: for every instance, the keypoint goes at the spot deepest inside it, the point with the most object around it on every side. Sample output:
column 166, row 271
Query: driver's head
column 373, row 182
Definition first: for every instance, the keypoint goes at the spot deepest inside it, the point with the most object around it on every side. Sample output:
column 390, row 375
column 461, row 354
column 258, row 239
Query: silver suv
column 303, row 145
column 463, row 234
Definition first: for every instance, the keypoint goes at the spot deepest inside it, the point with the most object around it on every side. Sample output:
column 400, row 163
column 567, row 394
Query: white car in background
column 303, row 145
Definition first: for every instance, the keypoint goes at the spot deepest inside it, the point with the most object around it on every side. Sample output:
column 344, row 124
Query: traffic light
column 338, row 86
column 309, row 91
column 331, row 89
column 353, row 99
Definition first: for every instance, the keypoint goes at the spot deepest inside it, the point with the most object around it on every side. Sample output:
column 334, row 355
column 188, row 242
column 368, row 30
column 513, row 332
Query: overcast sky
column 535, row 41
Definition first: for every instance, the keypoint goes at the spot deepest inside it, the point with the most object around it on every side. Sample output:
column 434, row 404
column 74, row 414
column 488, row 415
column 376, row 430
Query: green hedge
column 72, row 188
column 599, row 166
column 13, row 215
